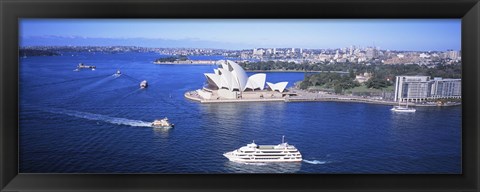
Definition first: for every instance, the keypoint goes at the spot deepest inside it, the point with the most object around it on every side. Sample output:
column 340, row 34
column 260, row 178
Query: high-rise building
column 258, row 52
column 452, row 54
column 269, row 51
column 337, row 55
column 371, row 53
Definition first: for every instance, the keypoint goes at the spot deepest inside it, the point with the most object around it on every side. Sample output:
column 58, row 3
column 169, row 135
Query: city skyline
column 393, row 34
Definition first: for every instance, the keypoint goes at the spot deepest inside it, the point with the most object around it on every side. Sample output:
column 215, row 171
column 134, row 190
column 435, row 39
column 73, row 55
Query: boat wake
column 315, row 162
column 69, row 80
column 104, row 118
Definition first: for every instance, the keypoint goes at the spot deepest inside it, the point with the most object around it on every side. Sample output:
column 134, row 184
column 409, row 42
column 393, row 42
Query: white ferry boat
column 253, row 153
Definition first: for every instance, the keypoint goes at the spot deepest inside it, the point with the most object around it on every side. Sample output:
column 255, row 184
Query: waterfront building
column 451, row 88
column 230, row 81
column 422, row 88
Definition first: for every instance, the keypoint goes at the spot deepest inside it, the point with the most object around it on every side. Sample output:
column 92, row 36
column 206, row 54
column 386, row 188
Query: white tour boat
column 162, row 123
column 253, row 153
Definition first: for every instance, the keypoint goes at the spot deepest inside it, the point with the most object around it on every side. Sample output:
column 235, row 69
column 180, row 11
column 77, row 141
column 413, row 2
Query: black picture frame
column 11, row 11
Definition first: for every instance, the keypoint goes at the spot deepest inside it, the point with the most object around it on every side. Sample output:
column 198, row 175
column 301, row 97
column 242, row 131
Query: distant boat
column 404, row 109
column 162, row 123
column 144, row 84
column 117, row 74
column 83, row 66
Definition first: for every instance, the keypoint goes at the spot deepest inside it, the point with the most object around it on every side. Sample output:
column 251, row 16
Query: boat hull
column 233, row 158
column 162, row 127
column 403, row 110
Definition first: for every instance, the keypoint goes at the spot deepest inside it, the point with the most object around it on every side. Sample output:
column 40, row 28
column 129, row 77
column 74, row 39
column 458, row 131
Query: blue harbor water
column 93, row 122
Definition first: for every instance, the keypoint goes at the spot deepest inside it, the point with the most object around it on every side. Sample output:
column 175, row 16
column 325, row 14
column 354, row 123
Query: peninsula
column 182, row 59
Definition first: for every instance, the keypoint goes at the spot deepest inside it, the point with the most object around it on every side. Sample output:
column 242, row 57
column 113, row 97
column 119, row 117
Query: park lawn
column 319, row 88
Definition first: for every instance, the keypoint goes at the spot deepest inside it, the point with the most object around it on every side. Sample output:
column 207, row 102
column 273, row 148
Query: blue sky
column 411, row 34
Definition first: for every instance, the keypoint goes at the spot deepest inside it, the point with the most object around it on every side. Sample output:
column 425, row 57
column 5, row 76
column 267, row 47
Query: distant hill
column 142, row 42
column 36, row 52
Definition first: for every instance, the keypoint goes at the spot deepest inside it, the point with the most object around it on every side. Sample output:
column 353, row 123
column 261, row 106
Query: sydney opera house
column 230, row 82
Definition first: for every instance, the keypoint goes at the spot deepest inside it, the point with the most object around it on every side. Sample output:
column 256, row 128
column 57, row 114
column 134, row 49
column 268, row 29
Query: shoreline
column 367, row 101
column 293, row 71
column 187, row 62
column 330, row 98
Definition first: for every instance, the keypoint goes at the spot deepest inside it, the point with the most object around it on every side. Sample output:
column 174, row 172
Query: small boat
column 83, row 66
column 117, row 74
column 405, row 108
column 162, row 123
column 143, row 84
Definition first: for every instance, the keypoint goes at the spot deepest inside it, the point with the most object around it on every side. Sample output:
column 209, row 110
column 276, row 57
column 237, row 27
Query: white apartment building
column 421, row 88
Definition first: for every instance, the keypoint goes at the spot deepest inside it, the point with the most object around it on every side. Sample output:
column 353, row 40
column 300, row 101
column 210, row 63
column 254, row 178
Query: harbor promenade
column 192, row 95
column 297, row 95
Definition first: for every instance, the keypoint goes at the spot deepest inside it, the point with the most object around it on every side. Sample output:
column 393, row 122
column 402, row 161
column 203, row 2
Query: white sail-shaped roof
column 280, row 87
column 216, row 79
column 231, row 76
column 226, row 78
column 240, row 75
column 256, row 81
